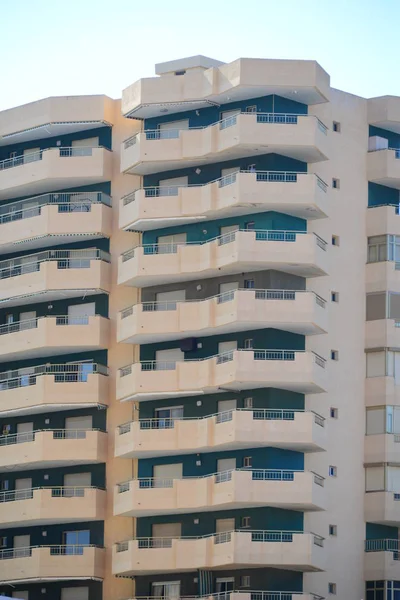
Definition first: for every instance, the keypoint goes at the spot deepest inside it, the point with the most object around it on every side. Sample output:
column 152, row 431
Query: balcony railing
column 66, row 259
column 274, row 118
column 384, row 545
column 172, row 305
column 63, row 373
column 56, row 492
column 66, row 202
column 30, row 157
column 396, row 151
column 226, row 180
column 260, row 235
column 63, row 550
column 58, row 434
column 34, row 323
column 249, row 594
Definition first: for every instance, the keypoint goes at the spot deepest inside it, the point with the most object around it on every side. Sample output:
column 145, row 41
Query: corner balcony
column 52, row 448
column 382, row 448
column 298, row 253
column 227, row 490
column 51, row 506
column 53, row 219
column 381, row 560
column 51, row 563
column 383, row 508
column 230, row 430
column 54, row 169
column 383, row 167
column 302, row 195
column 297, row 371
column 50, row 388
column 54, row 275
column 49, row 336
column 240, row 310
column 302, row 137
column 382, row 390
column 295, row 551
column 382, row 333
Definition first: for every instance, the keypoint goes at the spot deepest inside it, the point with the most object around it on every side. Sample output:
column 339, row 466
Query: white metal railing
column 66, row 202
column 271, row 118
column 251, row 594
column 56, row 492
column 383, row 545
column 30, row 157
column 34, row 323
column 58, row 434
column 260, row 294
column 62, row 373
column 61, row 550
column 260, row 235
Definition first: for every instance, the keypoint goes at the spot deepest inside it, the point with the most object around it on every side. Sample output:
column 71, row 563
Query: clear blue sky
column 68, row 47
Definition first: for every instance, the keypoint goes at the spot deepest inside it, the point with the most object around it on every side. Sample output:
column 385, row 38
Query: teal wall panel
column 381, row 194
column 55, row 476
column 53, row 589
column 374, row 531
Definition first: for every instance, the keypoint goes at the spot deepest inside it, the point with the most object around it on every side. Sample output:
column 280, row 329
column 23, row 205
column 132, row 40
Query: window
column 336, row 127
column 252, row 168
column 336, row 183
column 245, row 522
column 333, row 530
column 4, row 485
column 248, row 344
column 248, row 403
column 335, row 296
column 180, row 72
column 334, row 355
column 334, row 412
column 250, row 226
column 3, row 542
column 332, row 588
column 249, row 284
column 13, row 154
column 245, row 581
column 251, row 109
column 247, row 461
column 384, row 247
column 332, row 471
column 335, row 240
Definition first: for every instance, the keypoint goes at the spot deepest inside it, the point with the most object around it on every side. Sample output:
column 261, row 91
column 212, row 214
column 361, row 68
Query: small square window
column 336, row 183
column 247, row 461
column 335, row 240
column 249, row 284
column 251, row 109
column 332, row 471
column 334, row 355
column 248, row 344
column 332, row 588
column 335, row 296
column 248, row 402
column 245, row 581
column 334, row 412
column 336, row 127
column 333, row 530
column 245, row 522
column 180, row 72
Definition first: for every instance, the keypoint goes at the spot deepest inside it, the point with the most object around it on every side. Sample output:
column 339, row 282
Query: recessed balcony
column 383, row 167
column 52, row 448
column 51, row 563
column 295, row 551
column 54, row 275
column 382, row 333
column 302, row 254
column 292, row 490
column 302, row 195
column 382, row 507
column 240, row 310
column 382, row 448
column 54, row 169
column 51, row 506
column 230, row 430
column 381, row 560
column 52, row 219
column 48, row 336
column 297, row 371
column 49, row 388
column 302, row 137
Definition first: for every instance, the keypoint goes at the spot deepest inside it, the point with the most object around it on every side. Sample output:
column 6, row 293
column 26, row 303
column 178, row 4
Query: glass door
column 166, row 416
column 169, row 590
column 75, row 541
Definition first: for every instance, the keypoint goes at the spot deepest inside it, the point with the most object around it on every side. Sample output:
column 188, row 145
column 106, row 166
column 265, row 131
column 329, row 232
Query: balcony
column 230, row 430
column 206, row 81
column 52, row 448
column 383, row 167
column 54, row 275
column 382, row 448
column 382, row 390
column 51, row 563
column 240, row 310
column 302, row 254
column 382, row 507
column 381, row 560
column 53, row 219
column 382, row 333
column 254, row 595
column 383, row 275
column 54, row 169
column 302, row 195
column 50, row 388
column 297, row 371
column 295, row 551
column 227, row 490
column 302, row 137
column 48, row 336
column 383, row 219
column 52, row 506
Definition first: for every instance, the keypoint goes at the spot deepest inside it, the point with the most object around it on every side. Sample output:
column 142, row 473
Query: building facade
column 199, row 310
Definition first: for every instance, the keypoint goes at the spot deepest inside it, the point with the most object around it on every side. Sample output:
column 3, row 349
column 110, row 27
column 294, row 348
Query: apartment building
column 199, row 310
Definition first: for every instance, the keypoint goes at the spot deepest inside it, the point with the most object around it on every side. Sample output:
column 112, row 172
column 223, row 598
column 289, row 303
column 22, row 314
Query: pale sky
column 71, row 47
